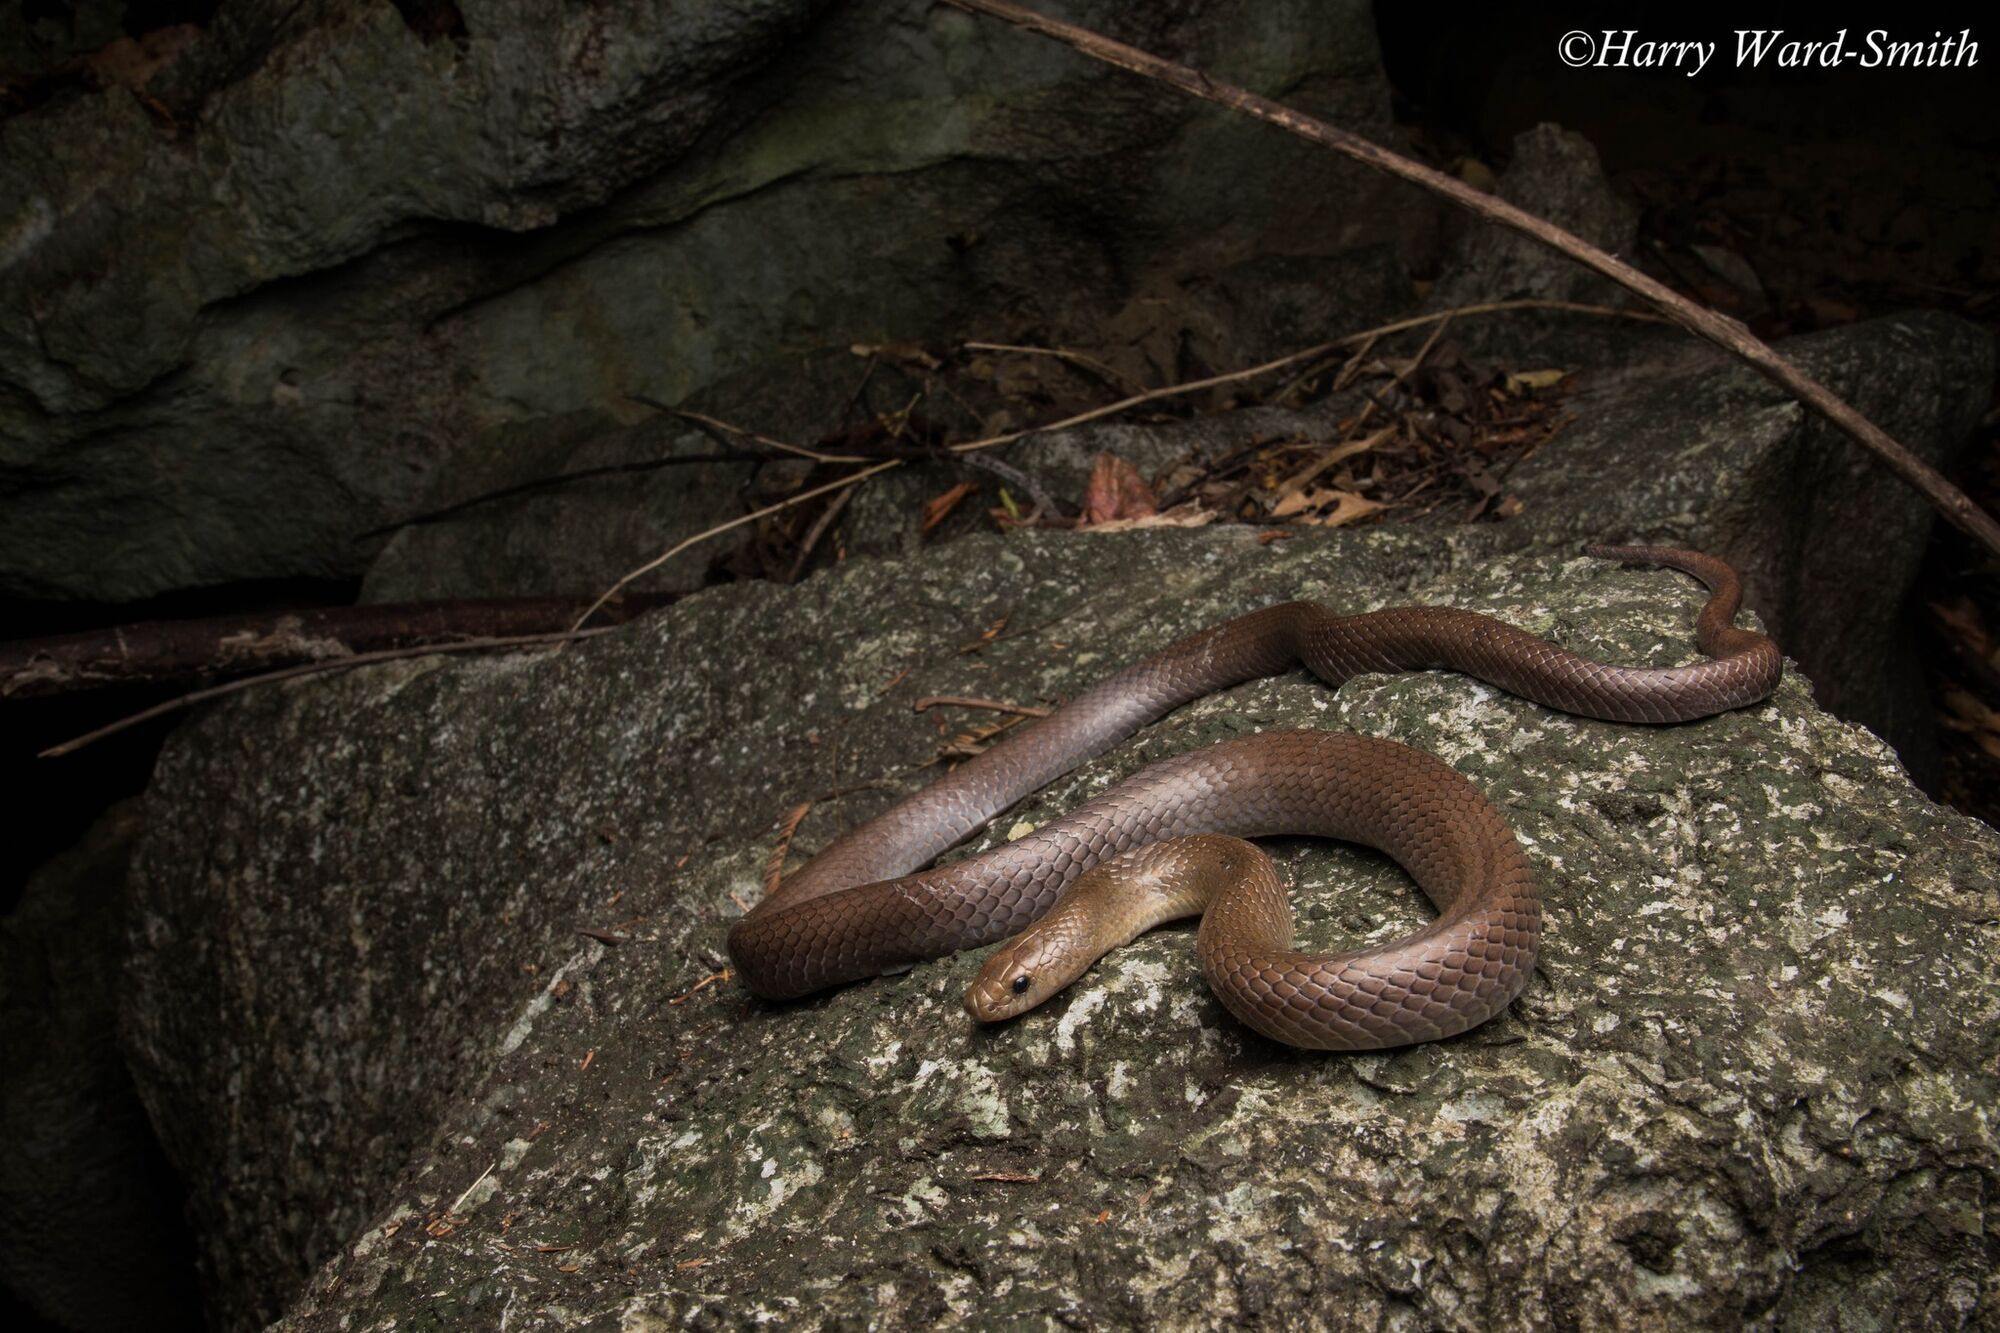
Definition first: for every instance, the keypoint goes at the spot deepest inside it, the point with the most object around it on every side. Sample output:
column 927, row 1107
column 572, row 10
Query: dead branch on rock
column 313, row 668
column 152, row 652
column 1719, row 329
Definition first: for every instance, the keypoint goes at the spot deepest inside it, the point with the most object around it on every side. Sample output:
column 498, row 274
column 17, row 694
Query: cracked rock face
column 336, row 267
column 1752, row 1078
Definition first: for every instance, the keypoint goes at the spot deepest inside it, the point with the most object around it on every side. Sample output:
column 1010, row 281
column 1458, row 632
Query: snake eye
column 1021, row 984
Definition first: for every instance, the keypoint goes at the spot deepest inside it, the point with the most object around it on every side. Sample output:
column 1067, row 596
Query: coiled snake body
column 1145, row 850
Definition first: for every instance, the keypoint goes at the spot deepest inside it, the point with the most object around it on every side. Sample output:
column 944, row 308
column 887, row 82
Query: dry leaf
column 1477, row 174
column 1338, row 454
column 1963, row 618
column 1116, row 491
column 938, row 509
column 1181, row 516
column 1347, row 507
column 1299, row 502
column 1970, row 715
column 901, row 353
column 1535, row 379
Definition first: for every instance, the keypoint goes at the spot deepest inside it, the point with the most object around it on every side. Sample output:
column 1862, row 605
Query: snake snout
column 1005, row 988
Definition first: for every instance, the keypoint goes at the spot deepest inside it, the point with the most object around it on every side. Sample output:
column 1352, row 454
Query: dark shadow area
column 55, row 800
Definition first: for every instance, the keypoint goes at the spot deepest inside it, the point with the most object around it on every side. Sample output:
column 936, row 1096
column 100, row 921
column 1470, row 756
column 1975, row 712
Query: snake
column 1169, row 840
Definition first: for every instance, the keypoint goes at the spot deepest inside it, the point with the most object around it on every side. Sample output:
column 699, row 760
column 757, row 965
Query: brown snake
column 855, row 910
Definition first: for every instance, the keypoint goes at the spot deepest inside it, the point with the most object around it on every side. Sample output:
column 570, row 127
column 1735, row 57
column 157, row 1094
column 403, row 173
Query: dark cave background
column 1850, row 193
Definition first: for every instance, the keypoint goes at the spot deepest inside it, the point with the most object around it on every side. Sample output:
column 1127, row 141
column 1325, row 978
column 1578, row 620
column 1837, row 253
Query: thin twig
column 930, row 701
column 157, row 651
column 1298, row 481
column 459, row 1202
column 817, row 531
column 1089, row 363
column 1718, row 328
column 1045, row 503
column 1295, row 382
column 713, row 424
column 774, row 865
column 1356, row 360
column 854, row 399
column 548, row 483
column 626, row 579
column 314, row 668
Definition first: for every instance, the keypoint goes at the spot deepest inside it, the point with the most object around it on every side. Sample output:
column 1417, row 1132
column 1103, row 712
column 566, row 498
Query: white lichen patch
column 922, row 1201
column 1077, row 1016
column 777, row 1183
column 558, row 982
column 979, row 1097
column 1473, row 1108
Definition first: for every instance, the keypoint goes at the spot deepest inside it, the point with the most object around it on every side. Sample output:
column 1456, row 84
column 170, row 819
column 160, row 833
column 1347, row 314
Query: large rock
column 301, row 283
column 1751, row 1079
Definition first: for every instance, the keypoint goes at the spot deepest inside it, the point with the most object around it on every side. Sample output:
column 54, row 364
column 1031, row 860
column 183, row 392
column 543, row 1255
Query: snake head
column 1027, row 970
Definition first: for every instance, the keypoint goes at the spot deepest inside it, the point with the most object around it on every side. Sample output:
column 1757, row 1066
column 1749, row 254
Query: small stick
column 817, row 531
column 1089, row 363
column 1046, row 505
column 774, row 865
column 930, row 701
column 717, row 424
column 1402, row 376
column 1298, row 481
column 162, row 650
column 459, row 1202
column 1320, row 349
column 548, row 483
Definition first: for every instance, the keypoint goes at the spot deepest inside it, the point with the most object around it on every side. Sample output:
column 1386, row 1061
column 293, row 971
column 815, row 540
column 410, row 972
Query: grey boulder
column 1749, row 1081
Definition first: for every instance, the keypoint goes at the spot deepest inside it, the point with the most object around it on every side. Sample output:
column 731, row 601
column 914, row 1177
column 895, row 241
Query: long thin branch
column 549, row 483
column 1089, row 363
column 312, row 669
column 712, row 424
column 1717, row 328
